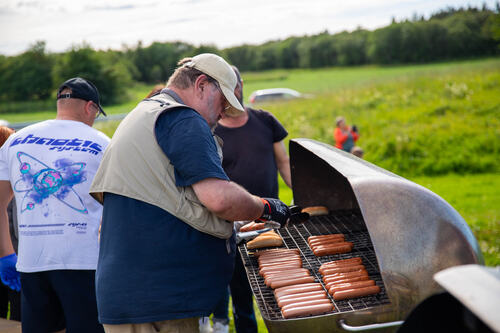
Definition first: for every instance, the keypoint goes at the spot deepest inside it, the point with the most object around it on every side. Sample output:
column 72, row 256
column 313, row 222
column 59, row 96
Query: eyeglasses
column 226, row 106
column 99, row 111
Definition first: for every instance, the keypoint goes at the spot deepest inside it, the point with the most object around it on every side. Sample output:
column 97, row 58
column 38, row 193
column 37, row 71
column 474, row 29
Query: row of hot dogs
column 346, row 278
column 325, row 245
column 294, row 288
column 296, row 292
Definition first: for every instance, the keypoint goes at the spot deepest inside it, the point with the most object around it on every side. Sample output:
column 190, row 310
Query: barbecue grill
column 403, row 232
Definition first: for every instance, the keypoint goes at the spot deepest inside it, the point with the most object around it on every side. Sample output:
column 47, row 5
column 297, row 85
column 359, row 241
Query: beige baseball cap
column 217, row 68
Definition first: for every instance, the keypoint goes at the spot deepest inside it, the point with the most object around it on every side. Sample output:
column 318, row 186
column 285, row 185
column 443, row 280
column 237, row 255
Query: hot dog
column 341, row 262
column 279, row 262
column 342, row 269
column 270, row 278
column 297, row 289
column 343, row 276
column 276, row 255
column 307, row 310
column 290, row 301
column 352, row 285
column 291, row 281
column 306, row 303
column 286, row 273
column 341, row 248
column 252, row 226
column 275, row 251
column 352, row 293
column 294, row 298
column 327, row 245
column 332, row 245
column 317, row 242
column 297, row 262
column 328, row 268
column 278, row 259
column 310, row 238
column 268, row 270
column 300, row 295
column 349, row 280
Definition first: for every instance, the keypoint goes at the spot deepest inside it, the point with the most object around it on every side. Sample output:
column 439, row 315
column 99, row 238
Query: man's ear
column 201, row 84
column 89, row 109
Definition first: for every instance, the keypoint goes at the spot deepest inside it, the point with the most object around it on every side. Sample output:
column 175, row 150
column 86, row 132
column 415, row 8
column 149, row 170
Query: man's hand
column 275, row 210
column 8, row 272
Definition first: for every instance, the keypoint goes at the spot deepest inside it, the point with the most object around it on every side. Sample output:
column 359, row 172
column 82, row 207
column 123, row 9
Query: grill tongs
column 296, row 217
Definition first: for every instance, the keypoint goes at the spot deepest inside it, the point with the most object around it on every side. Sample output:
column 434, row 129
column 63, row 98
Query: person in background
column 166, row 252
column 345, row 136
column 156, row 90
column 253, row 153
column 48, row 167
column 7, row 294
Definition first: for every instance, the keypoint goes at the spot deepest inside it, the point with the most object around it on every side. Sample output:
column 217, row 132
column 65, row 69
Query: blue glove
column 8, row 272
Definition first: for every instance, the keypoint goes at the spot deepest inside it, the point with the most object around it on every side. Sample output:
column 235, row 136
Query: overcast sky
column 112, row 23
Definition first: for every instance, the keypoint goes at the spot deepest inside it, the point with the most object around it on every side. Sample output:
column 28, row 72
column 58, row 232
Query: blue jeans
column 241, row 293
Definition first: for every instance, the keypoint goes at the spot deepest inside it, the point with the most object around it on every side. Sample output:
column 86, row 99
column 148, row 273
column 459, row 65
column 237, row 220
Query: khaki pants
column 187, row 325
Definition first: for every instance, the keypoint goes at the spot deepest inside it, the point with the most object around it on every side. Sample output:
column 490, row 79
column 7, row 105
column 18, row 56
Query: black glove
column 275, row 210
column 355, row 128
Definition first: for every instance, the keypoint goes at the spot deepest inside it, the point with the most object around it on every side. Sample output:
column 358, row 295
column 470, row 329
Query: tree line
column 447, row 35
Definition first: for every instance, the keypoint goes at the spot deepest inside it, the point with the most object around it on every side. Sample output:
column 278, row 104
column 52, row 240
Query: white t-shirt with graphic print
column 50, row 166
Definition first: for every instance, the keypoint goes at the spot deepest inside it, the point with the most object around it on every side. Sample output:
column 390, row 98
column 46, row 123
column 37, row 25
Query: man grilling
column 166, row 253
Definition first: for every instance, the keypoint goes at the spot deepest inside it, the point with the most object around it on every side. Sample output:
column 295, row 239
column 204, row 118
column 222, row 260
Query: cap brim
column 102, row 111
column 236, row 108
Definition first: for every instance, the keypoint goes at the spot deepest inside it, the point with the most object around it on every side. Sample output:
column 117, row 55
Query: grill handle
column 368, row 327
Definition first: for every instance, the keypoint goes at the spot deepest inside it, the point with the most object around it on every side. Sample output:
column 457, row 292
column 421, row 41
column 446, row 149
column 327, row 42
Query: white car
column 266, row 95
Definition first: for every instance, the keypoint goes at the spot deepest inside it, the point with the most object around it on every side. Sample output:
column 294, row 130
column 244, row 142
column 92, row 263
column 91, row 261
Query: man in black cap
column 49, row 167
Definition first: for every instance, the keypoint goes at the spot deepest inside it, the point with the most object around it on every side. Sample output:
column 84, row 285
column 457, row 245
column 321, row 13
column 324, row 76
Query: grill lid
column 415, row 233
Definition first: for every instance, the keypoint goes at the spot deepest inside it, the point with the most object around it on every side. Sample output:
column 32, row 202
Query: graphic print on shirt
column 40, row 182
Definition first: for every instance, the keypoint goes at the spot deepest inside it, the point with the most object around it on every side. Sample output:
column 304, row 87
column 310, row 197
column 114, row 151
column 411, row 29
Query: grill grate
column 351, row 224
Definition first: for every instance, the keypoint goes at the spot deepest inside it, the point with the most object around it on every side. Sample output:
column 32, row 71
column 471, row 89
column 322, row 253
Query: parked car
column 266, row 95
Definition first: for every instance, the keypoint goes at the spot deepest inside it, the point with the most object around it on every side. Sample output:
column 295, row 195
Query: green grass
column 476, row 198
column 327, row 80
column 419, row 123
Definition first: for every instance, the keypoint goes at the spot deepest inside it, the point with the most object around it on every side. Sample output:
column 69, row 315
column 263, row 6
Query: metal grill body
column 403, row 232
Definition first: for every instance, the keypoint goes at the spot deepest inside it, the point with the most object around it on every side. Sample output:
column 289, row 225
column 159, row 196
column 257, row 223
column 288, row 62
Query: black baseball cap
column 81, row 89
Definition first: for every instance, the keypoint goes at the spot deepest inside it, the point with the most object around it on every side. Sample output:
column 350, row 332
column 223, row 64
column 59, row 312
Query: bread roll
column 316, row 210
column 270, row 238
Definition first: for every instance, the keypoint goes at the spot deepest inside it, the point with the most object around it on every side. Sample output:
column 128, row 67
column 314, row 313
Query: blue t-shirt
column 152, row 266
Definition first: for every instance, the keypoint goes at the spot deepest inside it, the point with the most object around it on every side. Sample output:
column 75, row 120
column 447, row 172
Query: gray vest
column 135, row 166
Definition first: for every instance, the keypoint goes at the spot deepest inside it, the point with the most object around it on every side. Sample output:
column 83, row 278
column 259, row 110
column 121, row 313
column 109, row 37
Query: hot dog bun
column 316, row 210
column 270, row 238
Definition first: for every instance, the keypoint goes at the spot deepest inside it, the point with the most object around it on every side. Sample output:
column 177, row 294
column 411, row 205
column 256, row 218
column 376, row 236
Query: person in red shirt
column 344, row 135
